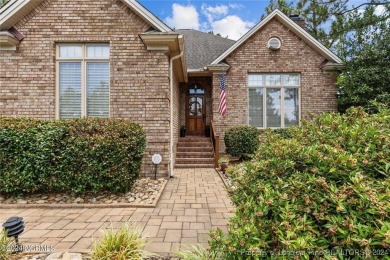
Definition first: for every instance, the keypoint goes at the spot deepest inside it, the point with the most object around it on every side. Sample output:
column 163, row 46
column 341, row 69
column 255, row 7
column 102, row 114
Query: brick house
column 72, row 58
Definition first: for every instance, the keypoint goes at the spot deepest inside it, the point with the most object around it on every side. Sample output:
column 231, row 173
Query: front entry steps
column 194, row 152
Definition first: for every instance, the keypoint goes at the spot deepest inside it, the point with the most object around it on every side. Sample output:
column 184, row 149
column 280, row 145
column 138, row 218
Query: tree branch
column 357, row 7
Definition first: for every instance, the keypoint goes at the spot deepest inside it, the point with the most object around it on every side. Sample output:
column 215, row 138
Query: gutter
column 180, row 39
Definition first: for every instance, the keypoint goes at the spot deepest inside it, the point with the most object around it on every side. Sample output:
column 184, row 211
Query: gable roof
column 294, row 27
column 202, row 48
column 15, row 10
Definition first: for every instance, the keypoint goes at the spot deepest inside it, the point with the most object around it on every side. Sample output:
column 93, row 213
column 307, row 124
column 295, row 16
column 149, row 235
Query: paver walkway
column 192, row 203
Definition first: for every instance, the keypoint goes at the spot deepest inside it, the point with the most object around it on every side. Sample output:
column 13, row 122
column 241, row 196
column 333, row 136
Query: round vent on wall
column 274, row 43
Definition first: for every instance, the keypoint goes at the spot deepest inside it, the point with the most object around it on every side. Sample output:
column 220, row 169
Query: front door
column 195, row 112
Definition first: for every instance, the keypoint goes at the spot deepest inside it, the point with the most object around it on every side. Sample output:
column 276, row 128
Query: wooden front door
column 195, row 112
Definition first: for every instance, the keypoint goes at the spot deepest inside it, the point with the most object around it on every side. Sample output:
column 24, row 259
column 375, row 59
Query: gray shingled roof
column 203, row 48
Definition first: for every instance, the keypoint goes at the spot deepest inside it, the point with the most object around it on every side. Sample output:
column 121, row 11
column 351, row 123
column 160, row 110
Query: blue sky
column 228, row 17
column 231, row 18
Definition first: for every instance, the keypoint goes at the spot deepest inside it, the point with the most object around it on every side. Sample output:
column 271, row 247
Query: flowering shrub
column 324, row 191
column 69, row 155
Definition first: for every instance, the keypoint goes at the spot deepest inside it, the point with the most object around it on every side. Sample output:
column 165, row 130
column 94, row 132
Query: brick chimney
column 297, row 19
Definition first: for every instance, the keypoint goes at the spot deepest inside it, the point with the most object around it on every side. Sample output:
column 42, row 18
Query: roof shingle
column 203, row 48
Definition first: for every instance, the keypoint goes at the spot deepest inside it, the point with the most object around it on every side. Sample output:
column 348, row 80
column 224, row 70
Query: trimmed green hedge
column 242, row 141
column 326, row 187
column 69, row 155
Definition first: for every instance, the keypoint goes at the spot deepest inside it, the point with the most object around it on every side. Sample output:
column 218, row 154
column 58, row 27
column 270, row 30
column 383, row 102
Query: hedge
column 77, row 155
column 322, row 192
column 242, row 141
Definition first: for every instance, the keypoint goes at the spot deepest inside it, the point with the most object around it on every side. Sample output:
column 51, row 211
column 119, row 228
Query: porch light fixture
column 14, row 226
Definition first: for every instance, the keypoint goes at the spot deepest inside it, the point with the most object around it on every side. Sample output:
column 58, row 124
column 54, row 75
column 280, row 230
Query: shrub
column 242, row 141
column 325, row 188
column 69, row 155
column 124, row 244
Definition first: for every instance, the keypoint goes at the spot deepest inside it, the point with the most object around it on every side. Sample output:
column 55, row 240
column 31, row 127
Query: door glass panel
column 192, row 109
column 196, row 91
column 199, row 106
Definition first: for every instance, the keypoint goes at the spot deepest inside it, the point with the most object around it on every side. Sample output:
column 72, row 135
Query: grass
column 5, row 245
column 126, row 243
column 196, row 252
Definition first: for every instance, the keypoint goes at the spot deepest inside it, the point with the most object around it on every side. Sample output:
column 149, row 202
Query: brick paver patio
column 192, row 203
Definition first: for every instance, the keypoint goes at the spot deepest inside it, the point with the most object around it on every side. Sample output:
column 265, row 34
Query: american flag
column 222, row 97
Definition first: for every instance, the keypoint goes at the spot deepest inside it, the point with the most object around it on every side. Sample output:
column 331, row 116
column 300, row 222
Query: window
column 273, row 100
column 83, row 80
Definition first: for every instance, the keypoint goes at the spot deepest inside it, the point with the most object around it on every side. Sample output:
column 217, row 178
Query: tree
column 325, row 19
column 282, row 5
column 366, row 54
column 3, row 2
column 317, row 15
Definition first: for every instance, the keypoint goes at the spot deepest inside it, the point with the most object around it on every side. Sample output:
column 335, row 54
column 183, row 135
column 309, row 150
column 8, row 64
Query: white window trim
column 83, row 61
column 281, row 87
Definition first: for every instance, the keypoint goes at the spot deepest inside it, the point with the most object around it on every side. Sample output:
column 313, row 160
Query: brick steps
column 194, row 152
column 197, row 165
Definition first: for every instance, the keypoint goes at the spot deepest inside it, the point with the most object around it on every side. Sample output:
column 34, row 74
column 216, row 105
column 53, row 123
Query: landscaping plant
column 89, row 154
column 196, row 252
column 6, row 245
column 126, row 243
column 242, row 141
column 324, row 192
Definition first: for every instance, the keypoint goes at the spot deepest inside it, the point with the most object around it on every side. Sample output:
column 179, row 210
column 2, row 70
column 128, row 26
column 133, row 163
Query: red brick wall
column 139, row 82
column 318, row 93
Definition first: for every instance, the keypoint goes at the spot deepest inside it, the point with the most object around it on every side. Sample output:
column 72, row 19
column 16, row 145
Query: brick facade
column 318, row 92
column 139, row 79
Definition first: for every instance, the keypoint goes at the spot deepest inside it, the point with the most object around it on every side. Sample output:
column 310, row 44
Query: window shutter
column 70, row 89
column 98, row 93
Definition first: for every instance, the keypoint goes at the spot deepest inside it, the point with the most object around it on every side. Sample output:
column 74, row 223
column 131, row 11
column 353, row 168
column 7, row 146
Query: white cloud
column 217, row 19
column 380, row 9
column 232, row 26
column 236, row 6
column 213, row 13
column 183, row 17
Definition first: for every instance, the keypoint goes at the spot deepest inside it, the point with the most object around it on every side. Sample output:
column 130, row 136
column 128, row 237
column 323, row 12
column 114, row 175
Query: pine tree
column 282, row 5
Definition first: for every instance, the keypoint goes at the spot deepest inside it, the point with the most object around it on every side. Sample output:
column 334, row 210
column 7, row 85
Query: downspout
column 171, row 109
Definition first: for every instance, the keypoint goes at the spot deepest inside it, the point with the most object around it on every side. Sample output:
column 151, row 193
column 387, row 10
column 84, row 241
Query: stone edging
column 87, row 205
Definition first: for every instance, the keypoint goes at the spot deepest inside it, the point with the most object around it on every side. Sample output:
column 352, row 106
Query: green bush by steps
column 76, row 155
column 242, row 141
column 325, row 187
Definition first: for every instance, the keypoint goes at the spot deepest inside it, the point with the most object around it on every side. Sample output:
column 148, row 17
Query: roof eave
column 290, row 24
column 170, row 42
column 331, row 66
column 147, row 15
column 16, row 10
column 221, row 67
column 8, row 42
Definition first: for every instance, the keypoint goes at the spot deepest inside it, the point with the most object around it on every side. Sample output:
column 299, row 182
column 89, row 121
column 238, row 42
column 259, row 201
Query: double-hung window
column 274, row 100
column 83, row 76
